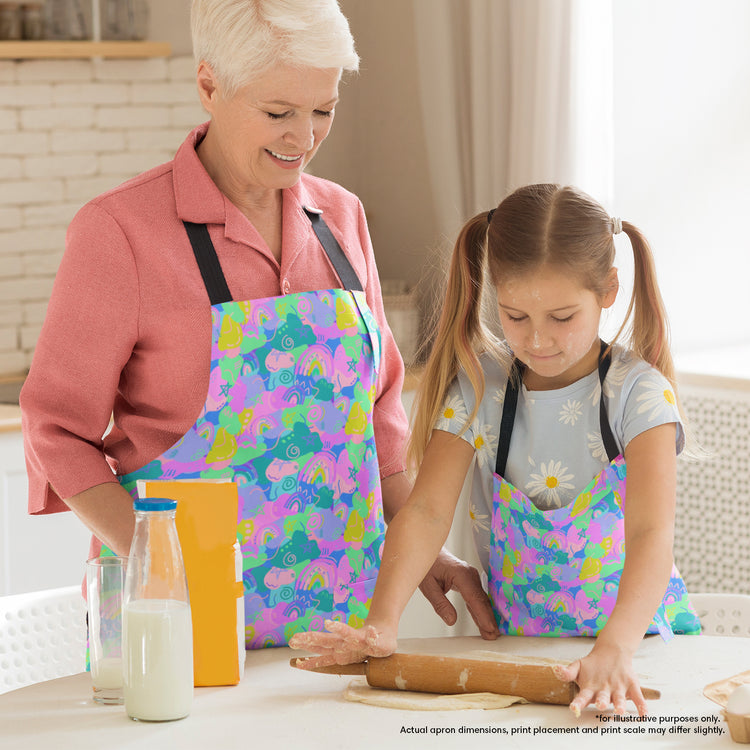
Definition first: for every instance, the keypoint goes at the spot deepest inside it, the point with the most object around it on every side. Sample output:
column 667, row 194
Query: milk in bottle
column 157, row 626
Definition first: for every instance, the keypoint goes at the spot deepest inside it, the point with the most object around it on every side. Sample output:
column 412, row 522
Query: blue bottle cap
column 155, row 503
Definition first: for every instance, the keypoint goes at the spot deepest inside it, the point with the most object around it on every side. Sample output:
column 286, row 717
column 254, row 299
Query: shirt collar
column 197, row 198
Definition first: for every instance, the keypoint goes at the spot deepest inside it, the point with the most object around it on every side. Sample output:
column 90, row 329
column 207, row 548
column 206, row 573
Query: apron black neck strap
column 213, row 276
column 510, row 403
column 610, row 444
column 208, row 263
column 335, row 254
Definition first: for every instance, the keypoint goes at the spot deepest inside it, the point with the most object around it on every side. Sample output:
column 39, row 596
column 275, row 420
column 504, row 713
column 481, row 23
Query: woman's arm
column 606, row 675
column 107, row 510
column 88, row 336
column 412, row 542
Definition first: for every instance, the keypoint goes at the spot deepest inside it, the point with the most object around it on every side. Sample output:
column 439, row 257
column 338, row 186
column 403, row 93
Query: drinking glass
column 105, row 579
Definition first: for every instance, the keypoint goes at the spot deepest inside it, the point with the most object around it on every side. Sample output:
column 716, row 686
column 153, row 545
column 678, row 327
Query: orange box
column 206, row 521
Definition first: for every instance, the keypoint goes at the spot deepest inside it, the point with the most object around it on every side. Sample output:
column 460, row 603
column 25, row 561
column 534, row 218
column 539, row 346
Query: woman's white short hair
column 242, row 39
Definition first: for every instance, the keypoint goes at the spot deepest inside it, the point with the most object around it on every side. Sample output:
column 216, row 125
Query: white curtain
column 513, row 92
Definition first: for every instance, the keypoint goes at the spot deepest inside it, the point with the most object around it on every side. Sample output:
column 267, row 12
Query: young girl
column 552, row 417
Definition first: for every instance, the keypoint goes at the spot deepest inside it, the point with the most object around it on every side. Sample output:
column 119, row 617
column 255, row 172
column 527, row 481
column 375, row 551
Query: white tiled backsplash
column 69, row 130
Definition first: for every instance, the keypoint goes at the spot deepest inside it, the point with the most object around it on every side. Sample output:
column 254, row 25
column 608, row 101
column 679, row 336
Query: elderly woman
column 225, row 309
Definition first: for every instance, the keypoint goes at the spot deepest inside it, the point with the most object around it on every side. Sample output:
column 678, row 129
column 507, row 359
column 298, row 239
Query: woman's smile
column 287, row 161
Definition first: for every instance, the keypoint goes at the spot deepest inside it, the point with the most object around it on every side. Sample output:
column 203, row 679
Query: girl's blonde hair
column 243, row 39
column 535, row 226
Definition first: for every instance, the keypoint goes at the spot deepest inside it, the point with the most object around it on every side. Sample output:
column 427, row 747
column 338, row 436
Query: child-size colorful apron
column 288, row 417
column 557, row 572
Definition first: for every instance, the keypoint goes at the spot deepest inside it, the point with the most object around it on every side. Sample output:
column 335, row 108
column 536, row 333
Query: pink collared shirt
column 128, row 327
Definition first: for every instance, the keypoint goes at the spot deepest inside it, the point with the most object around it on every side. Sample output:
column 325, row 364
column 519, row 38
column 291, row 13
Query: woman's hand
column 605, row 677
column 448, row 573
column 343, row 644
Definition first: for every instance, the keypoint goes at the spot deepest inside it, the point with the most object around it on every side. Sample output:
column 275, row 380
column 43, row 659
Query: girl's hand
column 343, row 644
column 605, row 677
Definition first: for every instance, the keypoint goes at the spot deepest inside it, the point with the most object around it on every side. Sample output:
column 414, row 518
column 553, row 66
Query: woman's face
column 263, row 136
column 551, row 323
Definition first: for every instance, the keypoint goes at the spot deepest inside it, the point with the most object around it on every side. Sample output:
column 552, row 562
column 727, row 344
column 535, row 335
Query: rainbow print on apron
column 557, row 572
column 288, row 417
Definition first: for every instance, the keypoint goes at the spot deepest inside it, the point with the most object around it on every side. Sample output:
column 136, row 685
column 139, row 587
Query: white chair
column 723, row 614
column 42, row 636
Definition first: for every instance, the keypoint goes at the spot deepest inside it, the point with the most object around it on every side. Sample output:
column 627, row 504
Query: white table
column 276, row 706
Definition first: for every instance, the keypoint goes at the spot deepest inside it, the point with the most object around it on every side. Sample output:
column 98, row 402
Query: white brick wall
column 69, row 130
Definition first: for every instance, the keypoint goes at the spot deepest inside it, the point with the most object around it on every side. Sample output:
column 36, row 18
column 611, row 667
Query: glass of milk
column 105, row 579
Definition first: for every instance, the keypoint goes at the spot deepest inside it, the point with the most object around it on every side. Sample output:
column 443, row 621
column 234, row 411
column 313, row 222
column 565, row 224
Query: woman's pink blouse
column 124, row 352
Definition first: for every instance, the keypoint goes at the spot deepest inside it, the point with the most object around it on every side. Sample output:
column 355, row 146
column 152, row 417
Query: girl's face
column 552, row 324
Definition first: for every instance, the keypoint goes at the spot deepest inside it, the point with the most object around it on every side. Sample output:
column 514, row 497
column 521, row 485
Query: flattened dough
column 405, row 700
column 720, row 691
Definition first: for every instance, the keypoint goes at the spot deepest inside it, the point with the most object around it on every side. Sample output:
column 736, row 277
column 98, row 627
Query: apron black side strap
column 610, row 444
column 510, row 402
column 335, row 254
column 208, row 263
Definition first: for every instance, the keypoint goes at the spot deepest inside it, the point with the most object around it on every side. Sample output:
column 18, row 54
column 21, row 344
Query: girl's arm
column 412, row 542
column 606, row 675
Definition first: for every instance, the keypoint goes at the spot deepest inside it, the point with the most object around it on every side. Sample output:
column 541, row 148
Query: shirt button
column 286, row 286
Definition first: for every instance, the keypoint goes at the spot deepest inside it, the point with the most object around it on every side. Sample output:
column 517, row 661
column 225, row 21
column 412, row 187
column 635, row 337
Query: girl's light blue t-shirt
column 556, row 448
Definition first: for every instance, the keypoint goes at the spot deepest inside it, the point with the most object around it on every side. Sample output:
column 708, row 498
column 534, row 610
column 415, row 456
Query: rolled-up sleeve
column 87, row 338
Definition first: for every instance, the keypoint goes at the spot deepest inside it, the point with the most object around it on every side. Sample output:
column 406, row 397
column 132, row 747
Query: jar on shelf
column 66, row 19
column 32, row 19
column 10, row 21
column 124, row 19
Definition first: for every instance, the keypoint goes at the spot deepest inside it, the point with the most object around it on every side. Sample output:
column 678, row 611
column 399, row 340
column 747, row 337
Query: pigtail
column 460, row 335
column 649, row 327
column 649, row 331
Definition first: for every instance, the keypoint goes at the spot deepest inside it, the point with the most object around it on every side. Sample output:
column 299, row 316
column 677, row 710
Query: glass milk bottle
column 157, row 627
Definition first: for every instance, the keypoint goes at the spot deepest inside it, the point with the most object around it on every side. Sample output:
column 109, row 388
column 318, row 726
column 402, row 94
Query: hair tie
column 616, row 225
column 490, row 214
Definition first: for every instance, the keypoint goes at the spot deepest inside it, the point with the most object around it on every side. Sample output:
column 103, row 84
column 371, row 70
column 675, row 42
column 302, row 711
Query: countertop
column 277, row 706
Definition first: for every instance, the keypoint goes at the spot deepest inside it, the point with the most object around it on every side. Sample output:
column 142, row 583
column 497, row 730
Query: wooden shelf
column 68, row 50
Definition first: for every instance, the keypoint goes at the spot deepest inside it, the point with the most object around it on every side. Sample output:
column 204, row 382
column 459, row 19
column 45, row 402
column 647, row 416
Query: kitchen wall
column 70, row 129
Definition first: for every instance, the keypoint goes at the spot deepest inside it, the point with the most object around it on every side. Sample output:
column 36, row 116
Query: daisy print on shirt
column 571, row 412
column 596, row 446
column 454, row 410
column 485, row 444
column 479, row 521
column 621, row 365
column 551, row 487
column 657, row 400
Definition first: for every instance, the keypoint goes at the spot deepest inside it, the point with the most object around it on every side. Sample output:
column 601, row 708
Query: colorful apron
column 288, row 417
column 557, row 572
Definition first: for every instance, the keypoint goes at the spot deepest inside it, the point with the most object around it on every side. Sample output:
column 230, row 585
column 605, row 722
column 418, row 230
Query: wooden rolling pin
column 449, row 675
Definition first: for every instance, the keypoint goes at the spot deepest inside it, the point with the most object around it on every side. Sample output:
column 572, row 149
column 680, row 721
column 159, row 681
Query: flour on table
column 359, row 691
